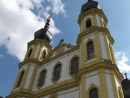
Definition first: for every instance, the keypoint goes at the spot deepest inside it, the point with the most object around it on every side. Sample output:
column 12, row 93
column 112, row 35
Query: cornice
column 37, row 41
column 92, row 30
column 21, row 93
column 57, row 87
column 29, row 60
column 102, row 65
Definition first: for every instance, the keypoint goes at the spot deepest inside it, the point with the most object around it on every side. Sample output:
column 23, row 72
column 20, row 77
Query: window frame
column 54, row 95
column 44, row 69
column 53, row 71
column 70, row 65
column 87, row 25
column 44, row 54
column 88, row 50
column 92, row 86
column 92, row 90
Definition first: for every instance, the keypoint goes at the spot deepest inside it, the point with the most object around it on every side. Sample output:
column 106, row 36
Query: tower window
column 88, row 23
column 20, row 79
column 30, row 51
column 90, row 50
column 74, row 65
column 42, row 78
column 44, row 54
column 57, row 72
column 94, row 93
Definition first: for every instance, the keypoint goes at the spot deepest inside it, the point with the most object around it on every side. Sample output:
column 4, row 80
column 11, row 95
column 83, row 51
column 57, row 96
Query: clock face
column 60, row 50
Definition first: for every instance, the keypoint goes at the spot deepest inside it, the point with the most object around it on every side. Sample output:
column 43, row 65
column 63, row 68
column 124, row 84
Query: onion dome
column 44, row 33
column 126, row 87
column 89, row 5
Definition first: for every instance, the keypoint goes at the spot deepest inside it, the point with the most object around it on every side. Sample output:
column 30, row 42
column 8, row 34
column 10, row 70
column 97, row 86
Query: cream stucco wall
column 103, row 46
column 98, row 20
column 109, row 84
column 37, row 50
column 92, row 78
column 69, row 93
column 64, row 60
column 29, row 77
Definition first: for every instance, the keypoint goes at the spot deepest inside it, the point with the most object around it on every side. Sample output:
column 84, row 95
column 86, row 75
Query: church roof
column 44, row 33
column 126, row 87
column 90, row 4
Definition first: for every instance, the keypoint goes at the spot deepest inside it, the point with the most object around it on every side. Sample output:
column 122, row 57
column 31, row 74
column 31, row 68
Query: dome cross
column 126, row 75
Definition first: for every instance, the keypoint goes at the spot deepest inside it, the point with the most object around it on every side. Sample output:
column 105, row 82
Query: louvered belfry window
column 94, row 93
column 42, row 78
column 57, row 72
column 90, row 50
column 74, row 65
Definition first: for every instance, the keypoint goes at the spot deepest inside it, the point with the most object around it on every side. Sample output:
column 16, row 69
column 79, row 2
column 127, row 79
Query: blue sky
column 19, row 19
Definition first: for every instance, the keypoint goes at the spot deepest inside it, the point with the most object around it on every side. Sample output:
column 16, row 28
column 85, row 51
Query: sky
column 20, row 19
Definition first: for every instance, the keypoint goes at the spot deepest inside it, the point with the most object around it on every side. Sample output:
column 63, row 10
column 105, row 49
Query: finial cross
column 125, row 75
column 50, row 15
column 61, row 41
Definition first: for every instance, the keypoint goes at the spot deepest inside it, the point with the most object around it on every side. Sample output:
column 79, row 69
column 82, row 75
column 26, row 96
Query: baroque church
column 85, row 70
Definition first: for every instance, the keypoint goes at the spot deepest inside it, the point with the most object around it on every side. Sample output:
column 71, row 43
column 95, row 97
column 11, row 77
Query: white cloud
column 57, row 5
column 18, row 22
column 123, row 62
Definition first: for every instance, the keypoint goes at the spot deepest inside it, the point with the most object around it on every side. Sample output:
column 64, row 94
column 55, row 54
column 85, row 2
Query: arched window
column 94, row 93
column 30, row 51
column 74, row 65
column 43, row 54
column 57, row 72
column 20, row 79
column 90, row 50
column 88, row 23
column 42, row 78
column 54, row 95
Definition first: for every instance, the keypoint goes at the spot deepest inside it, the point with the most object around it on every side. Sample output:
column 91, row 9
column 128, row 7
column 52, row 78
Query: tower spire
column 47, row 23
column 44, row 33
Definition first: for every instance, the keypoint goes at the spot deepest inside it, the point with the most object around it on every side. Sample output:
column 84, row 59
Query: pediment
column 61, row 48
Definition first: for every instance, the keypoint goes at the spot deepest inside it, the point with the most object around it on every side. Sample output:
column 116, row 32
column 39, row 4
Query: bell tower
column 94, row 33
column 37, row 51
column 97, row 61
column 39, row 47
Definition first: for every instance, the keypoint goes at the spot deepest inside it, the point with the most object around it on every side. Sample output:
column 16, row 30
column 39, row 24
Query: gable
column 61, row 48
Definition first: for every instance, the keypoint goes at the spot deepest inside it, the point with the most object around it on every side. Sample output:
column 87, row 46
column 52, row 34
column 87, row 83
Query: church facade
column 85, row 70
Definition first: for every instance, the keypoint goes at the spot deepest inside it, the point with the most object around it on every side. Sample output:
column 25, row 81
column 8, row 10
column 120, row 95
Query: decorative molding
column 92, row 30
